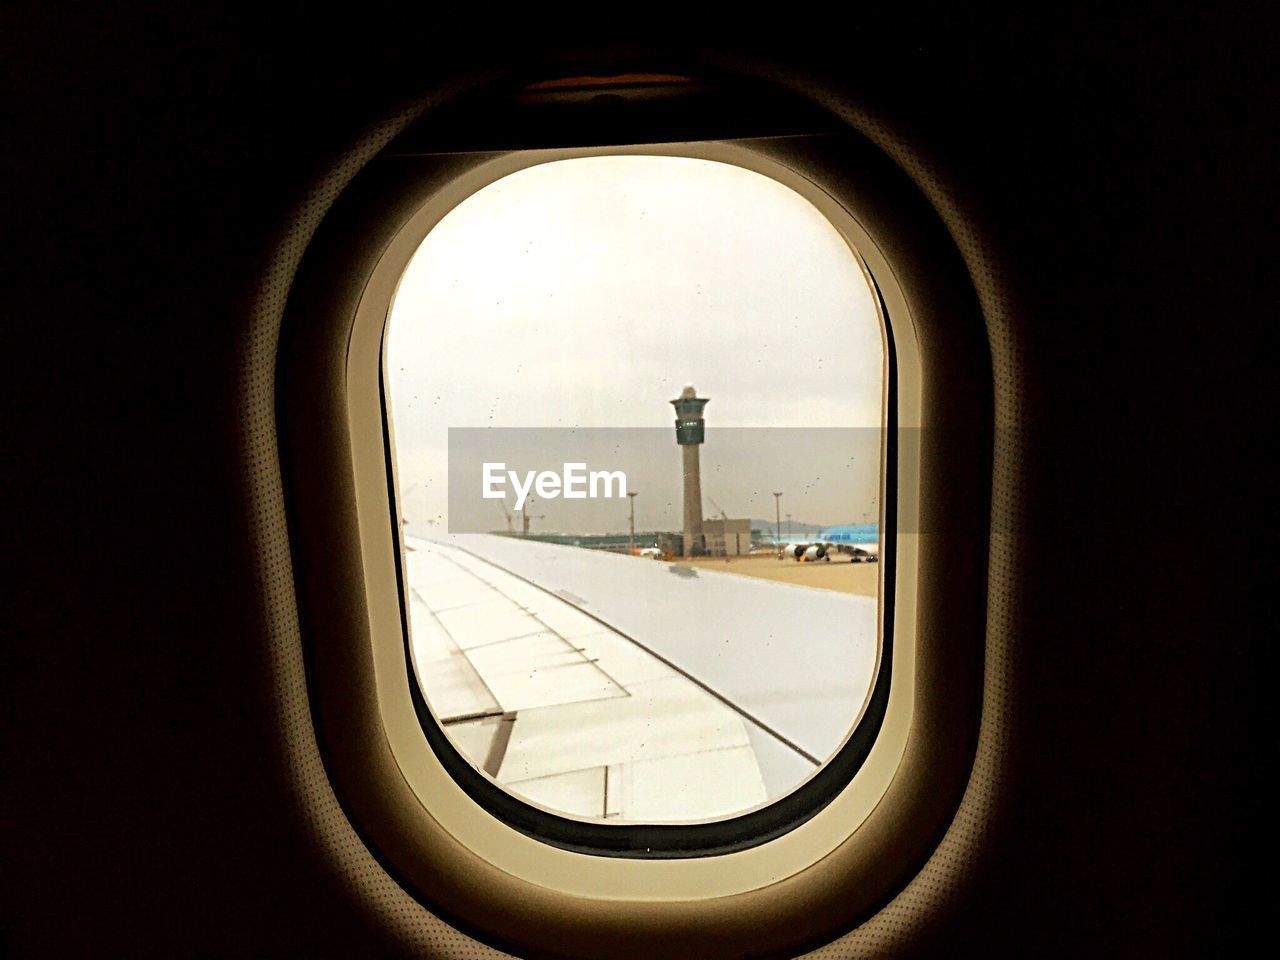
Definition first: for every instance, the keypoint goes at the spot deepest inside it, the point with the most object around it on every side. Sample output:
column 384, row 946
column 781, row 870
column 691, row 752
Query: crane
column 525, row 517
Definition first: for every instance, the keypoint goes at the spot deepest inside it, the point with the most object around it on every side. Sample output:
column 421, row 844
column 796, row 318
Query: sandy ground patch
column 838, row 574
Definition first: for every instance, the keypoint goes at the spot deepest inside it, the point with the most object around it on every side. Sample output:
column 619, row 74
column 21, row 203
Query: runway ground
column 861, row 579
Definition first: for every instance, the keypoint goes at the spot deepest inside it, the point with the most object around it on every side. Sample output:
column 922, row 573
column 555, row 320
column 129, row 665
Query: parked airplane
column 861, row 541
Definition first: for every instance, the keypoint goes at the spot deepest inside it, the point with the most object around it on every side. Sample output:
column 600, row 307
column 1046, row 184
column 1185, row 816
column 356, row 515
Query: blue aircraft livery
column 851, row 534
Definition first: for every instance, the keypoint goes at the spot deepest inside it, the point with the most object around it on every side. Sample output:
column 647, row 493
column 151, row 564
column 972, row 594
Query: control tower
column 690, row 428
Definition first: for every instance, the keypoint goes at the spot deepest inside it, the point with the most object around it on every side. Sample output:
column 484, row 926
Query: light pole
column 788, row 526
column 631, row 495
column 777, row 516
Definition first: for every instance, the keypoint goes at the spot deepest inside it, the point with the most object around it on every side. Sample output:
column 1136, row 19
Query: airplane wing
column 607, row 686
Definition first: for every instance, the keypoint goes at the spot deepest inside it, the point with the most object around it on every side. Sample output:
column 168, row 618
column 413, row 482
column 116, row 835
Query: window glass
column 636, row 408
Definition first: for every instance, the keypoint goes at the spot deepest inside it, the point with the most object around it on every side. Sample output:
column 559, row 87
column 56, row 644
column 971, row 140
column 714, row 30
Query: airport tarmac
column 861, row 579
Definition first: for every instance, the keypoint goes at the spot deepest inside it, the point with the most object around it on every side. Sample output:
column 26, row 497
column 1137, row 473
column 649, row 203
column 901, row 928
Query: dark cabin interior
column 1120, row 169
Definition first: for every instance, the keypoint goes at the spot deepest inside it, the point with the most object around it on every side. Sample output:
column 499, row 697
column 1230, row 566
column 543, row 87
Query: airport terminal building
column 727, row 538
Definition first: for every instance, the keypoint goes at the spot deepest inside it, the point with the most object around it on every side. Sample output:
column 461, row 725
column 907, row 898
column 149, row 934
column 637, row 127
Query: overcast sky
column 589, row 292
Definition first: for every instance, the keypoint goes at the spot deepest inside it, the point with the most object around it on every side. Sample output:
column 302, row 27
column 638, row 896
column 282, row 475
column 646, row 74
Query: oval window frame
column 423, row 826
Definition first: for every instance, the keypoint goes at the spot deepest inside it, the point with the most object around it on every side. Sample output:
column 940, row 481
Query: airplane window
column 636, row 416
